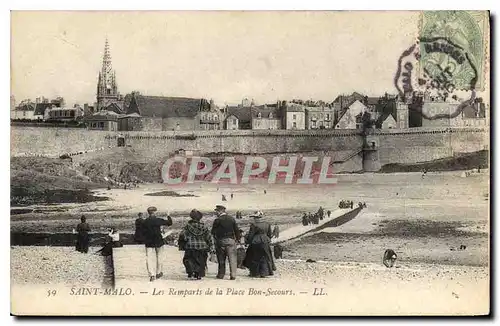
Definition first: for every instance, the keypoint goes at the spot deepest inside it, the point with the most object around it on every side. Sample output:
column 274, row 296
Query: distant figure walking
column 321, row 213
column 276, row 231
column 352, row 204
column 278, row 251
column 153, row 240
column 83, row 236
column 328, row 213
column 224, row 198
column 196, row 241
column 138, row 235
column 265, row 191
column 232, row 195
column 305, row 220
column 315, row 218
column 227, row 234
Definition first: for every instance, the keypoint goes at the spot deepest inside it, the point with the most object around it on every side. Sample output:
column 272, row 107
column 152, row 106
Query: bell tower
column 107, row 89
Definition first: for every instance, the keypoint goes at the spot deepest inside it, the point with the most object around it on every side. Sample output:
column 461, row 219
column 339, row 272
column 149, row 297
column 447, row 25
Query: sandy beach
column 350, row 288
column 425, row 220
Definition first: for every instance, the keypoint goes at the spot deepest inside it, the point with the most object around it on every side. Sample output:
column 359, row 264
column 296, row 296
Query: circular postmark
column 435, row 69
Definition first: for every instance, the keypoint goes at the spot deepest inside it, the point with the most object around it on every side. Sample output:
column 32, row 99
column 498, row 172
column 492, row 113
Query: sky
column 225, row 56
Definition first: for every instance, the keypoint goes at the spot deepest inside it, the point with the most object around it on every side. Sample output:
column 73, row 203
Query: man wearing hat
column 153, row 240
column 227, row 235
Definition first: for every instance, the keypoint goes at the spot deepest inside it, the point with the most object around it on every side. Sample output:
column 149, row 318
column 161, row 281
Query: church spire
column 107, row 90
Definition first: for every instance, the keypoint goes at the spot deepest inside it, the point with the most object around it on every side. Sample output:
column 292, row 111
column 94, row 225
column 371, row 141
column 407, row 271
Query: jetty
column 338, row 217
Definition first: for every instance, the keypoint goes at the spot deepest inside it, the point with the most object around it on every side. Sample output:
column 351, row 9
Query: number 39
column 51, row 293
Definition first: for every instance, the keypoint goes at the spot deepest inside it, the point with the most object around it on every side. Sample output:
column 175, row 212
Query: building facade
column 320, row 117
column 102, row 120
column 211, row 118
column 266, row 117
column 160, row 113
column 25, row 110
column 294, row 117
column 350, row 117
column 237, row 117
column 231, row 122
column 64, row 114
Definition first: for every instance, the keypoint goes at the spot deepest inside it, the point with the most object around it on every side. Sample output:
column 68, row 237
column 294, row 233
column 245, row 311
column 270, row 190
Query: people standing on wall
column 153, row 241
column 226, row 234
column 328, row 213
column 83, row 236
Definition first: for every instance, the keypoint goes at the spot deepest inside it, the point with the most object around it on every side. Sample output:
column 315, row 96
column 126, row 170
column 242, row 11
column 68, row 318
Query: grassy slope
column 464, row 161
column 45, row 180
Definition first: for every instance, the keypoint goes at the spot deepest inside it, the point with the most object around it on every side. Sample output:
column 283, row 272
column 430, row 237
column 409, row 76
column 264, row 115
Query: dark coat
column 83, row 237
column 260, row 232
column 225, row 227
column 138, row 235
column 259, row 259
column 151, row 230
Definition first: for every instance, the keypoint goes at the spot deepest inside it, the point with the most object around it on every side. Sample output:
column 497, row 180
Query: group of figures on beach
column 309, row 218
column 83, row 239
column 222, row 243
column 350, row 204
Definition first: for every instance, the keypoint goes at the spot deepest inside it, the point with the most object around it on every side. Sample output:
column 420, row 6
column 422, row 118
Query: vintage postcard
column 270, row 163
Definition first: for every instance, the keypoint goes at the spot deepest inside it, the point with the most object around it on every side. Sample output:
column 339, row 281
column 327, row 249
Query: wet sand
column 423, row 219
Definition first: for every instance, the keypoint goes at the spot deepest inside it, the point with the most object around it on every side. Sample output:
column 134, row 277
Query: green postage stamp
column 454, row 45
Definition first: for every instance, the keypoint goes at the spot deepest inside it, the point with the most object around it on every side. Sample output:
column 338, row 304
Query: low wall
column 421, row 144
column 393, row 146
column 55, row 141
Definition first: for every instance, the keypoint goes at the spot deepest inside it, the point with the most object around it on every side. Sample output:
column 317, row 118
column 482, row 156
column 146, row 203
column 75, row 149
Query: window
column 294, row 117
column 259, row 115
column 216, row 117
column 101, row 125
column 295, row 125
column 313, row 124
column 327, row 116
column 270, row 115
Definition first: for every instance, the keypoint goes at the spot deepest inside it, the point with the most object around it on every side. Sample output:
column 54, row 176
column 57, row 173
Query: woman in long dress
column 259, row 258
column 82, row 237
column 196, row 241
